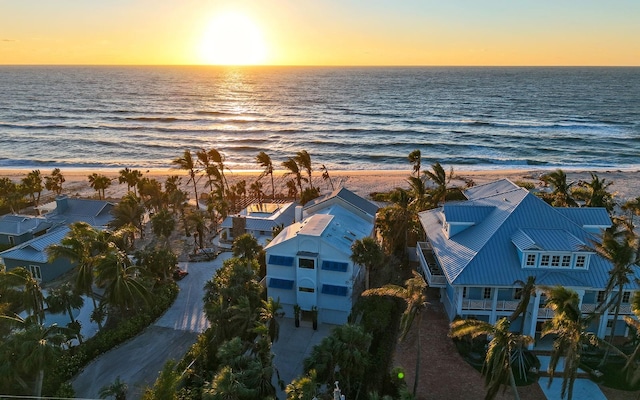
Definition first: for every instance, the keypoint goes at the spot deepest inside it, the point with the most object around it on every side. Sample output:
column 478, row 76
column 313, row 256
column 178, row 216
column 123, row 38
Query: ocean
column 347, row 118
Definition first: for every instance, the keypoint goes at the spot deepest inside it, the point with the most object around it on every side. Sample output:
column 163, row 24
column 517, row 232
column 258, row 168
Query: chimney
column 298, row 214
column 62, row 203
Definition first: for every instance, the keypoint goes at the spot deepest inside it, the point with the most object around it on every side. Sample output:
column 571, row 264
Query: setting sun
column 233, row 39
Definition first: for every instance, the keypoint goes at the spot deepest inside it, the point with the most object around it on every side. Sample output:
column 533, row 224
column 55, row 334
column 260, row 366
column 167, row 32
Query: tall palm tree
column 632, row 368
column 367, row 252
column 415, row 160
column 196, row 221
column 12, row 194
column 633, row 207
column 421, row 198
column 246, row 247
column 265, row 162
column 256, row 190
column 570, row 328
column 620, row 246
column 561, row 194
column 54, row 181
column 326, row 177
column 163, row 224
column 128, row 213
column 131, row 177
column 187, row 163
column 37, row 347
column 292, row 189
column 441, row 179
column 414, row 295
column 122, row 286
column 497, row 367
column 33, row 185
column 269, row 314
column 303, row 159
column 294, row 170
column 528, row 290
column 99, row 183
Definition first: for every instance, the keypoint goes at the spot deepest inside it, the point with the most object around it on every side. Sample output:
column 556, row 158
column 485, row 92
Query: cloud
column 8, row 40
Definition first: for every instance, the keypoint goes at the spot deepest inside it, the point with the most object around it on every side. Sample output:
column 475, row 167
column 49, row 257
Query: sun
column 233, row 39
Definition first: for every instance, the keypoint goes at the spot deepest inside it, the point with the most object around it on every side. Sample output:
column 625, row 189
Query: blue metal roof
column 94, row 212
column 347, row 196
column 587, row 216
column 34, row 250
column 21, row 224
column 462, row 212
column 554, row 239
column 485, row 255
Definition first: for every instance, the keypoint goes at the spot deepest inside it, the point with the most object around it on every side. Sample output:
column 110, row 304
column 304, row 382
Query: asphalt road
column 139, row 360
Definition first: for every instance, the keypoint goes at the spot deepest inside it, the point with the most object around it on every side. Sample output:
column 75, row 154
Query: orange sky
column 328, row 32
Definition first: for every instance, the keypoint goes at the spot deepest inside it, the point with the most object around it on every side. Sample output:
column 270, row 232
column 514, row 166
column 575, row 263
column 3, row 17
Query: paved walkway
column 583, row 389
column 139, row 360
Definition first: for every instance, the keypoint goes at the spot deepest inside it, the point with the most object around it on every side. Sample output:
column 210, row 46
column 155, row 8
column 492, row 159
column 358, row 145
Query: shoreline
column 626, row 183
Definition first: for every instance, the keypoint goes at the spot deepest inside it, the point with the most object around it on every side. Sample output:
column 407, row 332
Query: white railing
column 433, row 279
column 487, row 304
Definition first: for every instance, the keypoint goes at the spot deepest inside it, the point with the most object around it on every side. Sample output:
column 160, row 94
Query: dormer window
column 531, row 260
column 566, row 261
column 544, row 260
column 581, row 261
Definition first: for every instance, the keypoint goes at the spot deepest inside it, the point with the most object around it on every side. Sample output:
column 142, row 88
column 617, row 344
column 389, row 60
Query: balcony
column 486, row 304
column 432, row 271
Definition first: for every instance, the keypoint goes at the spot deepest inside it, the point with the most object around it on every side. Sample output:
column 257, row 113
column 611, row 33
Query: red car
column 179, row 274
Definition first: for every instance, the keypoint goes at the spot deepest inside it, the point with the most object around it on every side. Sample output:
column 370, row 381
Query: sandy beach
column 626, row 184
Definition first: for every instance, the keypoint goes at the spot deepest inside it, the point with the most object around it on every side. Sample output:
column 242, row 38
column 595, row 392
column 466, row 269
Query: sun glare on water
column 233, row 39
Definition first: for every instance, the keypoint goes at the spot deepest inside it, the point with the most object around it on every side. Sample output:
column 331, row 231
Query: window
column 487, row 293
column 626, row 296
column 281, row 260
column 517, row 293
column 334, row 290
column 306, row 263
column 335, row 266
column 544, row 260
column 531, row 260
column 566, row 261
column 35, row 272
column 306, row 289
column 581, row 261
column 464, row 292
column 12, row 241
column 600, row 297
column 555, row 261
column 277, row 283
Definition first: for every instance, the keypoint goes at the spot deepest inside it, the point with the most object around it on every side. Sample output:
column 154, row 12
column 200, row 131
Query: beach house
column 479, row 250
column 16, row 229
column 258, row 219
column 32, row 254
column 308, row 263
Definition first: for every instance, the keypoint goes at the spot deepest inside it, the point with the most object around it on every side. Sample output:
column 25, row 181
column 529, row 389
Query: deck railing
column 432, row 272
column 487, row 304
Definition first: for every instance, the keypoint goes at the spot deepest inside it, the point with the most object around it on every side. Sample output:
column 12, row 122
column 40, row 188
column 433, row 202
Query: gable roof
column 587, row 216
column 21, row 224
column 94, row 212
column 34, row 250
column 485, row 255
column 345, row 195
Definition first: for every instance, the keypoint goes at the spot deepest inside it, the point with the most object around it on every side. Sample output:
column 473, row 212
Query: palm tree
column 497, row 367
column 415, row 297
column 620, row 246
column 528, row 290
column 187, row 163
column 292, row 189
column 33, row 186
column 415, row 160
column 269, row 314
column 561, row 194
column 37, row 347
column 441, row 179
column 196, row 221
column 633, row 207
column 303, row 159
column 79, row 247
column 632, row 368
column 598, row 196
column 12, row 194
column 264, row 161
column 570, row 328
column 128, row 213
column 227, row 385
column 65, row 299
column 246, row 247
column 294, row 170
column 117, row 390
column 26, row 288
column 54, row 181
column 256, row 190
column 163, row 224
column 304, row 387
column 367, row 252
column 123, row 289
column 326, row 177
column 418, row 189
column 131, row 177
column 99, row 183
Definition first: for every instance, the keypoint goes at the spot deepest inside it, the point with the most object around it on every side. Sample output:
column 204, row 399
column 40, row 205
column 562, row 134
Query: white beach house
column 477, row 249
column 309, row 263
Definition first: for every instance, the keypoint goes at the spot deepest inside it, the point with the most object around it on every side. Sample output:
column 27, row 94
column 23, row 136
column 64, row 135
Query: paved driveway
column 138, row 361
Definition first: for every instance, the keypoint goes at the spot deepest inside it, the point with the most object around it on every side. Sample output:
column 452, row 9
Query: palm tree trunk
column 195, row 187
column 612, row 336
column 70, row 314
column 415, row 382
column 273, row 188
column 37, row 390
column 512, row 381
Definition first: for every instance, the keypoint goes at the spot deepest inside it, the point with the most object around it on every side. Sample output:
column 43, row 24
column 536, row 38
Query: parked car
column 179, row 274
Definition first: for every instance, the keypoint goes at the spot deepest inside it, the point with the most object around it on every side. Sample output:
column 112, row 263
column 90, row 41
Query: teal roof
column 21, row 224
column 34, row 250
column 485, row 254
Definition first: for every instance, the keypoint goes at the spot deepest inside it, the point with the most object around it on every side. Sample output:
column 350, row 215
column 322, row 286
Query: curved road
column 139, row 360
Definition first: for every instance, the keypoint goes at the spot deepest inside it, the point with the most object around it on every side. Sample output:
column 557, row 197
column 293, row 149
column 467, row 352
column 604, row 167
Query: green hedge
column 74, row 359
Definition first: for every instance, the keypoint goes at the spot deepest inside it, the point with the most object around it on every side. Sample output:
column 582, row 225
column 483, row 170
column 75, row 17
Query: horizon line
column 325, row 65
